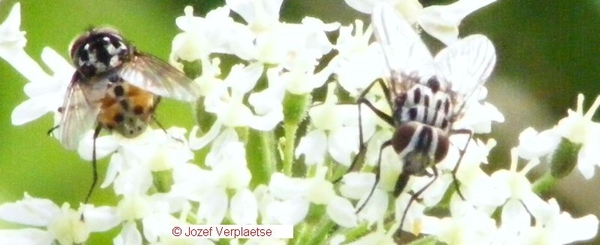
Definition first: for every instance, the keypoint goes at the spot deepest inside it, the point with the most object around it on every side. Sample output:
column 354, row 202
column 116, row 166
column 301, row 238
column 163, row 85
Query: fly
column 426, row 95
column 117, row 88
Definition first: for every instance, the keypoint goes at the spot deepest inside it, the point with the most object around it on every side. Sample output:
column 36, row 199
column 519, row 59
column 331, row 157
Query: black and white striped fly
column 426, row 95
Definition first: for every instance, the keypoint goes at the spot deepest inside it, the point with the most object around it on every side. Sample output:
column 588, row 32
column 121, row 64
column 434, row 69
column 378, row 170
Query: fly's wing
column 80, row 110
column 405, row 53
column 465, row 66
column 160, row 78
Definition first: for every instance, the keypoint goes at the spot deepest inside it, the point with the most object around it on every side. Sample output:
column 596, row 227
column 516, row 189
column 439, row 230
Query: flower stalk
column 295, row 109
column 262, row 156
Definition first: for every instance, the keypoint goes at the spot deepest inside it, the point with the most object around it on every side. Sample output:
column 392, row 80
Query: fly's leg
column 413, row 198
column 94, row 165
column 155, row 120
column 60, row 110
column 362, row 100
column 158, row 123
column 52, row 130
column 462, row 153
column 152, row 110
column 377, row 174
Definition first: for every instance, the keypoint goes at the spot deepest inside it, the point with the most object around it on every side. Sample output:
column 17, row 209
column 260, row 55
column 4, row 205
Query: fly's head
column 99, row 51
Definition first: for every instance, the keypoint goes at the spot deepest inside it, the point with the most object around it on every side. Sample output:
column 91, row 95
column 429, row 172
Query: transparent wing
column 80, row 111
column 160, row 78
column 405, row 53
column 465, row 66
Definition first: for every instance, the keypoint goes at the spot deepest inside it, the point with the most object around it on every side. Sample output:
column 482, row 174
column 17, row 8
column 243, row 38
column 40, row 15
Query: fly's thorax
column 99, row 51
column 419, row 146
column 126, row 109
column 425, row 104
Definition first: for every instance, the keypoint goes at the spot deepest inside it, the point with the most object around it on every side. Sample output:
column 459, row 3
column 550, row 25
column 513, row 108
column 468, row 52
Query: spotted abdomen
column 126, row 109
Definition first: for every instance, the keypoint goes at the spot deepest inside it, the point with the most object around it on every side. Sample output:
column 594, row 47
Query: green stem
column 295, row 108
column 356, row 232
column 299, row 233
column 564, row 158
column 261, row 155
column 163, row 180
column 544, row 184
column 321, row 230
column 428, row 240
column 288, row 147
column 315, row 221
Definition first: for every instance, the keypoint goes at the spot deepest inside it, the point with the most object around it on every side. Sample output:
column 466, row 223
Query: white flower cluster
column 253, row 174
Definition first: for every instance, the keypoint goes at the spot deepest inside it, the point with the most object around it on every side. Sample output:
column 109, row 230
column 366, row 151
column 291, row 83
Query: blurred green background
column 548, row 52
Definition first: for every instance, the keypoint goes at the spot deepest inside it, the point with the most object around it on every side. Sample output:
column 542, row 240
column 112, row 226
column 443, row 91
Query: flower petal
column 341, row 211
column 290, row 212
column 343, row 142
column 100, row 219
column 214, row 207
column 129, row 235
column 30, row 110
column 105, row 145
column 442, row 22
column 313, row 145
column 244, row 208
column 27, row 236
column 283, row 187
column 29, row 211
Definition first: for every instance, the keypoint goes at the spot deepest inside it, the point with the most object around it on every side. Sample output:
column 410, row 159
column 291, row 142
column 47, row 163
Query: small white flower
column 259, row 14
column 442, row 21
column 228, row 162
column 477, row 187
column 244, row 208
column 479, row 117
column 520, row 198
column 153, row 212
column 135, row 159
column 414, row 213
column 47, row 95
column 579, row 128
column 295, row 46
column 439, row 21
column 467, row 225
column 129, row 235
column 335, row 132
column 556, row 227
column 299, row 81
column 61, row 224
column 293, row 196
column 229, row 171
column 341, row 211
column 535, row 145
column 358, row 63
column 45, row 91
column 226, row 100
column 216, row 33
column 357, row 186
column 12, row 42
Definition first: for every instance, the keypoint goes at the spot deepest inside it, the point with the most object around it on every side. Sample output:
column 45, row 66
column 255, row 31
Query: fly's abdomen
column 126, row 109
column 419, row 146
